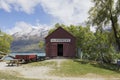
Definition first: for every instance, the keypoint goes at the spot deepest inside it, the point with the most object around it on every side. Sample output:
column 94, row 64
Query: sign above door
column 60, row 40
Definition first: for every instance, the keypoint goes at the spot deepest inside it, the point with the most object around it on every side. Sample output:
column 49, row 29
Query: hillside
column 28, row 41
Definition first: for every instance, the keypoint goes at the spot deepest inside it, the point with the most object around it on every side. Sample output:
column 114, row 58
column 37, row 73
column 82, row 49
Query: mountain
column 27, row 40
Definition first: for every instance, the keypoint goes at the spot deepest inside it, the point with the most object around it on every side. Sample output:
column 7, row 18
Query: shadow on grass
column 81, row 61
column 112, row 67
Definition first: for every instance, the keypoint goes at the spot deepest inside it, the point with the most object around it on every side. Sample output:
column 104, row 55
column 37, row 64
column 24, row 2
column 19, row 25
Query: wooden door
column 66, row 49
column 53, row 50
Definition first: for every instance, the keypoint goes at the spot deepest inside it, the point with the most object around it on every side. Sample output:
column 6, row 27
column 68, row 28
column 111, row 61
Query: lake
column 38, row 54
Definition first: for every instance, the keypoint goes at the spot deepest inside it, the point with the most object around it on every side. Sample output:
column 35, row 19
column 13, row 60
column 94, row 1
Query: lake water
column 38, row 54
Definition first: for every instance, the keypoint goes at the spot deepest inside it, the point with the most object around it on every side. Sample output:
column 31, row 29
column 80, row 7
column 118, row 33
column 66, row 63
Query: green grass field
column 75, row 69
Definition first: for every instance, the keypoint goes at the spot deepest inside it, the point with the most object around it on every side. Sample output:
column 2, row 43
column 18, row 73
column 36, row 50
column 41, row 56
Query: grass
column 72, row 68
column 6, row 76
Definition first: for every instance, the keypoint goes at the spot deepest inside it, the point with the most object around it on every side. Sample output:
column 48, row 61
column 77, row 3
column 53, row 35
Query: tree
column 5, row 42
column 56, row 26
column 102, row 46
column 42, row 45
column 105, row 12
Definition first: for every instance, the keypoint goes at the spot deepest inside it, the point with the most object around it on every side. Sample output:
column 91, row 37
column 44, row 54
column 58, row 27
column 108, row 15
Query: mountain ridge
column 28, row 41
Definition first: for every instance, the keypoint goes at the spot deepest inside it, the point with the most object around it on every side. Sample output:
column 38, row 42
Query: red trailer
column 27, row 58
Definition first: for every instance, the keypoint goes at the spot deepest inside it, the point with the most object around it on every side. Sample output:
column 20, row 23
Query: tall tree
column 106, row 12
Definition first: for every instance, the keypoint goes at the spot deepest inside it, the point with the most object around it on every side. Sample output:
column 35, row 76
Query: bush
column 116, row 56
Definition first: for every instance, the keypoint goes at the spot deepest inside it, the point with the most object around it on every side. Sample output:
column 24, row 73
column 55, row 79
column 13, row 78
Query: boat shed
column 60, row 43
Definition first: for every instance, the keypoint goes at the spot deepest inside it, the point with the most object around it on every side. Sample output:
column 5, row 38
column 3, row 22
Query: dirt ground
column 42, row 72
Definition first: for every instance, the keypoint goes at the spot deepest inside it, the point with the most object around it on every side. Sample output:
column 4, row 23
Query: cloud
column 5, row 5
column 64, row 11
column 23, row 27
column 26, row 6
column 67, row 11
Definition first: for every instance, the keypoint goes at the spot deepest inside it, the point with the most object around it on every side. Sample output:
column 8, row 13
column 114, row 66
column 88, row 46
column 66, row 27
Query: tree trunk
column 114, row 26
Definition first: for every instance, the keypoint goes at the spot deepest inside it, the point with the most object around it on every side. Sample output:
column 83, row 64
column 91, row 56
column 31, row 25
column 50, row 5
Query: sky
column 16, row 15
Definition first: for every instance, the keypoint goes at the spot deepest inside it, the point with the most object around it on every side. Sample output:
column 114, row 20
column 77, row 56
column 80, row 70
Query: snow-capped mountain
column 27, row 40
column 30, row 33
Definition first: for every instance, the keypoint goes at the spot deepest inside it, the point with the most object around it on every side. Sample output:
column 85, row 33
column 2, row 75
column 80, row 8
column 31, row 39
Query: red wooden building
column 60, row 43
